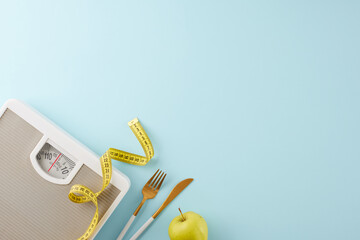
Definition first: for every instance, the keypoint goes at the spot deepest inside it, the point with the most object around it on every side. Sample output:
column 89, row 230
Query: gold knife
column 176, row 190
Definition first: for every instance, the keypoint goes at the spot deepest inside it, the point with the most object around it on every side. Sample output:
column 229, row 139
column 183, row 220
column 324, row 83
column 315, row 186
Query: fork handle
column 126, row 228
column 132, row 218
column 142, row 229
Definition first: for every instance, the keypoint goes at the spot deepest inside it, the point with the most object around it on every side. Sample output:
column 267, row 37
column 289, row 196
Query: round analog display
column 53, row 162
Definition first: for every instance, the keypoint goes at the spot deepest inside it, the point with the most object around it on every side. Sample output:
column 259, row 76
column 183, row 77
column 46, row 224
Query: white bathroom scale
column 39, row 163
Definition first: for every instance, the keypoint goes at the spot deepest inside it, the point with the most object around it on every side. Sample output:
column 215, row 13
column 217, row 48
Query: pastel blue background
column 257, row 100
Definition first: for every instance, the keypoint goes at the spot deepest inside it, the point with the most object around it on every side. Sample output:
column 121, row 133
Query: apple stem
column 182, row 215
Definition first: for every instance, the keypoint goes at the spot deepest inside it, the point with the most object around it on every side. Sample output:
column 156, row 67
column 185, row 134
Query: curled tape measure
column 82, row 194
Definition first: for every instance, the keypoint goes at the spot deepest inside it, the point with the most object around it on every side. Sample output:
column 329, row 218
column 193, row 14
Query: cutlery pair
column 176, row 191
column 149, row 191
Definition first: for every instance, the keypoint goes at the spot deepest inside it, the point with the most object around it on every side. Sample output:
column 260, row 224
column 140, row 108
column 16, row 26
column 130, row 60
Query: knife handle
column 142, row 229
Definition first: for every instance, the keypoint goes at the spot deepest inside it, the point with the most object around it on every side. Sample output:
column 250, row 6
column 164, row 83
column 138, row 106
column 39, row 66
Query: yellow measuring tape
column 81, row 194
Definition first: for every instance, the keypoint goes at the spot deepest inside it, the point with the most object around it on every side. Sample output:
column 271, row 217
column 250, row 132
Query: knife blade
column 176, row 190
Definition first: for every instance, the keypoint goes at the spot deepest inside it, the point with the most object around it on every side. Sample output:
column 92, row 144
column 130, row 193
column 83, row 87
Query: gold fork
column 149, row 191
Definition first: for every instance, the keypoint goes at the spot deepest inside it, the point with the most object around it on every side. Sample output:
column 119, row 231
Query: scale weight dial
column 54, row 162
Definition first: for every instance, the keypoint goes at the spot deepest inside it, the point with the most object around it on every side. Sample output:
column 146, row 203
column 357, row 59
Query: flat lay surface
column 258, row 101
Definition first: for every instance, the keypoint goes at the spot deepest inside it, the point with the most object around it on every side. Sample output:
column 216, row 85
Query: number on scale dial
column 53, row 162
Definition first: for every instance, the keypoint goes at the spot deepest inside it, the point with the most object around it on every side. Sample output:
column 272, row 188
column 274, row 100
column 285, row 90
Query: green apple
column 188, row 226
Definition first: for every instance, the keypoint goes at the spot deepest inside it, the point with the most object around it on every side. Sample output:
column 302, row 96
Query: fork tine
column 158, row 180
column 152, row 184
column 158, row 186
column 148, row 182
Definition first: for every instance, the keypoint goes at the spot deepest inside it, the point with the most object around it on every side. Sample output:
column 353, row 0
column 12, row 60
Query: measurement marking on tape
column 82, row 194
